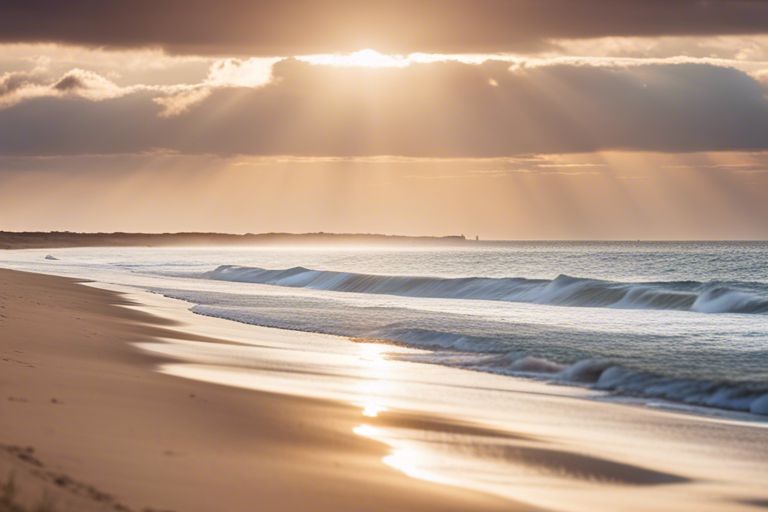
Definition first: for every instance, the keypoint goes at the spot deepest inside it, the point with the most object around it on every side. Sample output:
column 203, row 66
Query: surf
column 564, row 290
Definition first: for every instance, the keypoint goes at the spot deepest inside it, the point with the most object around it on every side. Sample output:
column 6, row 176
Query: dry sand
column 87, row 425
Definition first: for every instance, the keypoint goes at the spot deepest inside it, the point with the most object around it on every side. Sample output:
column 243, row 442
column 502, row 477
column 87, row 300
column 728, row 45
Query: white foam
column 712, row 297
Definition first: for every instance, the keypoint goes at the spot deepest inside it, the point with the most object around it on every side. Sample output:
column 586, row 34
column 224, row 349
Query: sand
column 122, row 399
column 86, row 424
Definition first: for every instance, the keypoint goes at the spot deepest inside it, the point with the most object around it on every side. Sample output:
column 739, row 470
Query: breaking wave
column 546, row 354
column 702, row 297
column 460, row 351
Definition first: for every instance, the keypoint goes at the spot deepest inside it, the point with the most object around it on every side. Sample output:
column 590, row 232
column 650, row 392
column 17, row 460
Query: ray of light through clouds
column 572, row 135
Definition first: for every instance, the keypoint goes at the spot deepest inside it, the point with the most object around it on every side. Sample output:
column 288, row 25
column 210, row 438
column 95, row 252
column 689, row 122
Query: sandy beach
column 88, row 425
column 117, row 399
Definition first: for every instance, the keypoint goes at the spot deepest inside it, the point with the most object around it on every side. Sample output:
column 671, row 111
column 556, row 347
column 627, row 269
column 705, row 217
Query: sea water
column 685, row 323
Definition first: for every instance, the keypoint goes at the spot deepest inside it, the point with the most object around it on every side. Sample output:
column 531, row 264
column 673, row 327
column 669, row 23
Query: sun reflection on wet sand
column 374, row 391
column 372, row 410
column 404, row 456
column 445, row 451
column 428, row 452
column 374, row 395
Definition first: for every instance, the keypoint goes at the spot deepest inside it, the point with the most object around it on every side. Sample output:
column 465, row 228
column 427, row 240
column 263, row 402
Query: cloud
column 88, row 84
column 12, row 82
column 745, row 48
column 280, row 27
column 762, row 77
column 22, row 85
column 445, row 109
column 240, row 72
column 17, row 86
column 176, row 104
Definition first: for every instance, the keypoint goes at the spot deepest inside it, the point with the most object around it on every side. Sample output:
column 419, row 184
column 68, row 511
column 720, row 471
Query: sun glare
column 363, row 58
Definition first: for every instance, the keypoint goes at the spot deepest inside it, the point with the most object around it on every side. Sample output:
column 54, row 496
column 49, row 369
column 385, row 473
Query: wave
column 493, row 355
column 533, row 354
column 456, row 350
column 702, row 297
column 604, row 375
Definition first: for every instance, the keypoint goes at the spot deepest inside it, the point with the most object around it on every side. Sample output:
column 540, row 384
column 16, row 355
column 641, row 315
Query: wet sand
column 87, row 424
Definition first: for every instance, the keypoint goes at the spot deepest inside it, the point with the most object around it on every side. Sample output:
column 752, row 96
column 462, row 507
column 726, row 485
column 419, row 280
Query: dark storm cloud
column 291, row 27
column 424, row 110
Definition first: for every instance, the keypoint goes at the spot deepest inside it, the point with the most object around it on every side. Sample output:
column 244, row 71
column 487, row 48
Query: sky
column 507, row 119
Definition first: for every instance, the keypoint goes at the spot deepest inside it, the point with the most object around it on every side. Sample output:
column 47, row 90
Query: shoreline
column 732, row 390
column 82, row 404
column 607, row 395
column 551, row 451
column 403, row 427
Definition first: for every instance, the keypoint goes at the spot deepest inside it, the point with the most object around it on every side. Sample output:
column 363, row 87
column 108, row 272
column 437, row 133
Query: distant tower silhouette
column 477, row 237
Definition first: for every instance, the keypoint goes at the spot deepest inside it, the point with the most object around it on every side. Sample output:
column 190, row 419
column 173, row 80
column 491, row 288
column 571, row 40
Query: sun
column 363, row 58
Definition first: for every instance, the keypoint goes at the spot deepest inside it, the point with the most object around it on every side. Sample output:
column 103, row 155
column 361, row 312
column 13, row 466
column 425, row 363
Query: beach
column 88, row 425
column 114, row 397
column 384, row 256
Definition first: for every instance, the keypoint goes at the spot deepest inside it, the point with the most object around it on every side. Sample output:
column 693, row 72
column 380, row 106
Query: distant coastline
column 60, row 239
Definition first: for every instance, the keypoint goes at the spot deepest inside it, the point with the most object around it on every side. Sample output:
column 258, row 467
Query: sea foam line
column 702, row 297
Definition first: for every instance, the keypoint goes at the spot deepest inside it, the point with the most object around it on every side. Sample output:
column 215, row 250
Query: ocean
column 679, row 324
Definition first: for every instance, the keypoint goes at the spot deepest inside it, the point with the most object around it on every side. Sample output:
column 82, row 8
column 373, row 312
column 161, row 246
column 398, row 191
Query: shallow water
column 684, row 322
